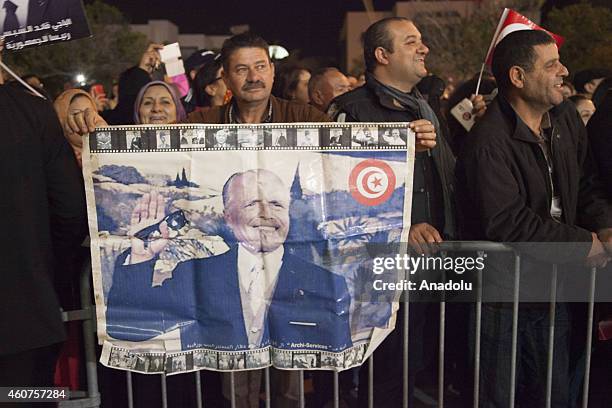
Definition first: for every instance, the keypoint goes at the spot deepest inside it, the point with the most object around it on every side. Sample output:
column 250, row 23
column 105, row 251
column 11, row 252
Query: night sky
column 310, row 25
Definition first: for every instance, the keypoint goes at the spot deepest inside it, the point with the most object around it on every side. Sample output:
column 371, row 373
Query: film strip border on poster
column 205, row 359
column 273, row 136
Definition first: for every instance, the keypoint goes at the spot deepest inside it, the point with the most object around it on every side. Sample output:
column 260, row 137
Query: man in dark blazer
column 217, row 302
column 42, row 210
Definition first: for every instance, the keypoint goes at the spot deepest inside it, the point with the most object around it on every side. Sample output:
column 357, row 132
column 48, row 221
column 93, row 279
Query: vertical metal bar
column 336, row 390
column 371, row 381
column 589, row 340
column 515, row 312
column 232, row 390
column 267, row 386
column 441, row 355
column 198, row 384
column 405, row 354
column 477, row 337
column 130, row 393
column 164, row 390
column 302, row 399
column 551, row 335
column 91, row 369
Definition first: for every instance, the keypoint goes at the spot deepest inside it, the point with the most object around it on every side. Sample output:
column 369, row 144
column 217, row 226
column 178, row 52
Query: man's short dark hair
column 377, row 35
column 244, row 40
column 317, row 76
column 516, row 49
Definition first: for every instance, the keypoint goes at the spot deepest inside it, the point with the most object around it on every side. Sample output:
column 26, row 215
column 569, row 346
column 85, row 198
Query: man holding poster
column 242, row 196
column 394, row 55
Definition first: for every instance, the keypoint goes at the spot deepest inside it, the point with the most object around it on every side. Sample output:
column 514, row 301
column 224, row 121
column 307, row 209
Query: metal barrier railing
column 477, row 247
column 91, row 397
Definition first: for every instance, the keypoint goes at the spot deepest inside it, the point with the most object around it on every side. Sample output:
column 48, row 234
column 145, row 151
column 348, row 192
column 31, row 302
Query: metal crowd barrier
column 89, row 398
column 478, row 247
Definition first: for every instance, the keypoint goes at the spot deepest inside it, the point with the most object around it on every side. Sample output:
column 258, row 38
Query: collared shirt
column 234, row 118
column 257, row 272
column 21, row 12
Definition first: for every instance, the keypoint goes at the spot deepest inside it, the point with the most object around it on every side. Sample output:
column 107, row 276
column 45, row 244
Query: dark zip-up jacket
column 43, row 212
column 504, row 188
column 368, row 103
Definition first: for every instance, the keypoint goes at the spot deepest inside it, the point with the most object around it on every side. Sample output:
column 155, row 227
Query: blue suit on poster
column 202, row 299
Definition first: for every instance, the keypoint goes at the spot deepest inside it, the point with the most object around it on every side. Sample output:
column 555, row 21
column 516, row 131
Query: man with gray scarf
column 394, row 56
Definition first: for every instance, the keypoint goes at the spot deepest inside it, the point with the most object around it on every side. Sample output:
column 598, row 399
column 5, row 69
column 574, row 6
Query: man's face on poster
column 257, row 210
column 104, row 138
column 221, row 136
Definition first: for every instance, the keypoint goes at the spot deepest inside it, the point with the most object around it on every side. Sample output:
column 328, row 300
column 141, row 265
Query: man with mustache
column 249, row 73
column 254, row 295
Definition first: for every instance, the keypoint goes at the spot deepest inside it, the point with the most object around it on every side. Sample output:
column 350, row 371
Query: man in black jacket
column 525, row 175
column 42, row 210
column 395, row 55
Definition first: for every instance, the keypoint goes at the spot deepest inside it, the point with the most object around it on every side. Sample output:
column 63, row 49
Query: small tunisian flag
column 511, row 21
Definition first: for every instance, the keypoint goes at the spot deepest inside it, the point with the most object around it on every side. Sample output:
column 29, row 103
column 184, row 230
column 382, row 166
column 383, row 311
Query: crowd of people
column 535, row 167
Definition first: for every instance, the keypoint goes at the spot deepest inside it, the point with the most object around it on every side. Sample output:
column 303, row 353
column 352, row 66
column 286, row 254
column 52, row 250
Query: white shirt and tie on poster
column 13, row 14
column 258, row 276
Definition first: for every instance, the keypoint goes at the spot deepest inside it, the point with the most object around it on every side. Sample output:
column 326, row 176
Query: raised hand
column 151, row 59
column 149, row 210
column 479, row 104
column 100, row 99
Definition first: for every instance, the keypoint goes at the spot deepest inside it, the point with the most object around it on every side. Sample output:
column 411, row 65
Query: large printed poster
column 233, row 247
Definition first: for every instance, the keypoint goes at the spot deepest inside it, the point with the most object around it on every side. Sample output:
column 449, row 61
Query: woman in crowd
column 158, row 103
column 68, row 103
column 584, row 106
column 209, row 87
column 292, row 83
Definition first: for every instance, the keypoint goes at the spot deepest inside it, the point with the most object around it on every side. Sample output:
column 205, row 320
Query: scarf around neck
column 410, row 101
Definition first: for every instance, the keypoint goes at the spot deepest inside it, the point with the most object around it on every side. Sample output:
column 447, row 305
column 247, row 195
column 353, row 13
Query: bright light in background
column 277, row 52
column 80, row 78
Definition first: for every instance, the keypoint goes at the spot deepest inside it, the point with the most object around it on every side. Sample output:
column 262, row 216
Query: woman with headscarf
column 158, row 103
column 130, row 82
column 68, row 103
